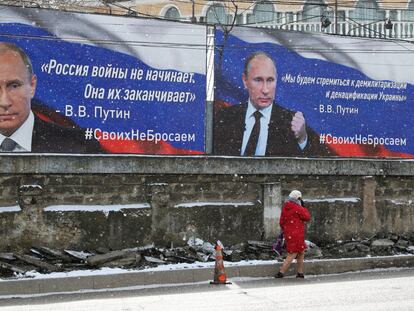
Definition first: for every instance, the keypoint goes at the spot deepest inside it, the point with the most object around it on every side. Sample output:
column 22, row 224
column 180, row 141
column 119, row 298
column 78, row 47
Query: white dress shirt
column 264, row 129
column 23, row 135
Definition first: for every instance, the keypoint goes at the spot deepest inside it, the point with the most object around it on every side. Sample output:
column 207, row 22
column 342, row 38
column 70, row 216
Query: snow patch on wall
column 95, row 208
column 8, row 209
column 331, row 200
column 401, row 202
column 201, row 204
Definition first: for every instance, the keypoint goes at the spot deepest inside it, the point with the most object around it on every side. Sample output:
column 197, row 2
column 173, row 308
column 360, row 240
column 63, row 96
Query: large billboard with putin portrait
column 100, row 83
column 283, row 93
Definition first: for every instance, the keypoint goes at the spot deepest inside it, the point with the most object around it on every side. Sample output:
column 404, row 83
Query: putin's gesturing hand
column 298, row 127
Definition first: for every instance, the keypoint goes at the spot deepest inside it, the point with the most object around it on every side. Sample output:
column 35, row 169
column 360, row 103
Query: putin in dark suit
column 20, row 129
column 260, row 127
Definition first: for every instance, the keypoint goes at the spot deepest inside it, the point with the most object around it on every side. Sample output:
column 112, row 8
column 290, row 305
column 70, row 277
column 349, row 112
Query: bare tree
column 230, row 6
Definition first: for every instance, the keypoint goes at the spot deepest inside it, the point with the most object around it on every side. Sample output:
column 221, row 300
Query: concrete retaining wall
column 126, row 201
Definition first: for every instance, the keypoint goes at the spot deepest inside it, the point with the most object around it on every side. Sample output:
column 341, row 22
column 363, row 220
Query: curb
column 19, row 287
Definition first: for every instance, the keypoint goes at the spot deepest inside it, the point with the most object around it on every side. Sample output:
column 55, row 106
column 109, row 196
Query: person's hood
column 289, row 199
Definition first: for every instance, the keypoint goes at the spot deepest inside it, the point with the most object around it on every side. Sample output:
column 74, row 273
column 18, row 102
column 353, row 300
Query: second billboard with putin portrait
column 352, row 97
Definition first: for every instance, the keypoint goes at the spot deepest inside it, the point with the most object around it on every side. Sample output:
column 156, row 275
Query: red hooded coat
column 292, row 221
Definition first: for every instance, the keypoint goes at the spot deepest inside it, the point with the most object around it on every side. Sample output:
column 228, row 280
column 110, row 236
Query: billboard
column 104, row 83
column 319, row 95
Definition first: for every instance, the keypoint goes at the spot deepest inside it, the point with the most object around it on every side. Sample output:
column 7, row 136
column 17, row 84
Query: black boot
column 279, row 275
column 300, row 276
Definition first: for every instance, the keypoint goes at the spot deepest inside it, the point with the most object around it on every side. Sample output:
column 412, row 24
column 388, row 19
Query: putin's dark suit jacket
column 229, row 128
column 52, row 138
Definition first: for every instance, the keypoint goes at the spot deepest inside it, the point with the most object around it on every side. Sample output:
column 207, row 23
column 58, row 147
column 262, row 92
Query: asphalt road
column 375, row 290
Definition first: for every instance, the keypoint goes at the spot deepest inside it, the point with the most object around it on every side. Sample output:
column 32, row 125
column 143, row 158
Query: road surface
column 375, row 290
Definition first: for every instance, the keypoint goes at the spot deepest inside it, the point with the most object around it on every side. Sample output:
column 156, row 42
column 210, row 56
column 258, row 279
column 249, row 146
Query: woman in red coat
column 292, row 222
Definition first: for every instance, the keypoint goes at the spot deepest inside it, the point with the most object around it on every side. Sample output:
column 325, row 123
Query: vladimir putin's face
column 17, row 88
column 260, row 81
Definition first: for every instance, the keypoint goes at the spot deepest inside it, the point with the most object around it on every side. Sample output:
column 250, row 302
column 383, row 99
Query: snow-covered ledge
column 222, row 165
column 95, row 208
column 10, row 209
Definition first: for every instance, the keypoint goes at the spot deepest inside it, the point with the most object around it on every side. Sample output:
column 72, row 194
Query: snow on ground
column 160, row 268
column 170, row 267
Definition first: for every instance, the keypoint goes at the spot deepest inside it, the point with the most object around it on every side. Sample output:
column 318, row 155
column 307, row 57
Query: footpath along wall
column 85, row 202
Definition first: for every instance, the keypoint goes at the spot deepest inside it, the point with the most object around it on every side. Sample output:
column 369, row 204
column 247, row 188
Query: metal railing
column 400, row 29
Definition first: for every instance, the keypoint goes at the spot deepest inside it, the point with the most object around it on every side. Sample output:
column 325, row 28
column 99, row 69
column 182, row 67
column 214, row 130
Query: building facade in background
column 365, row 18
column 362, row 18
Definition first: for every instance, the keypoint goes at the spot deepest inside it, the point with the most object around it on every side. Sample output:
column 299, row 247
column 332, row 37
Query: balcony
column 400, row 29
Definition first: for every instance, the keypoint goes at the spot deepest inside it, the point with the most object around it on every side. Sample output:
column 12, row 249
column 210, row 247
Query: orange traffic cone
column 219, row 274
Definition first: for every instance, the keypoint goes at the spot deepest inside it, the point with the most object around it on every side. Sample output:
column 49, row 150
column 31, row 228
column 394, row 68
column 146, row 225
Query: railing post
column 346, row 24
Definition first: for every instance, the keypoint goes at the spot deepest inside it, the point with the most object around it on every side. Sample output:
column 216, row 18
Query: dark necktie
column 254, row 136
column 8, row 145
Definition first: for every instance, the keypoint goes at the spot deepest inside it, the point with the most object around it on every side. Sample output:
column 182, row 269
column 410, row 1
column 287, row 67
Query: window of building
column 393, row 15
column 289, row 17
column 239, row 19
column 172, row 13
column 313, row 11
column 408, row 15
column 367, row 11
column 341, row 16
column 279, row 17
column 216, row 14
column 263, row 12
